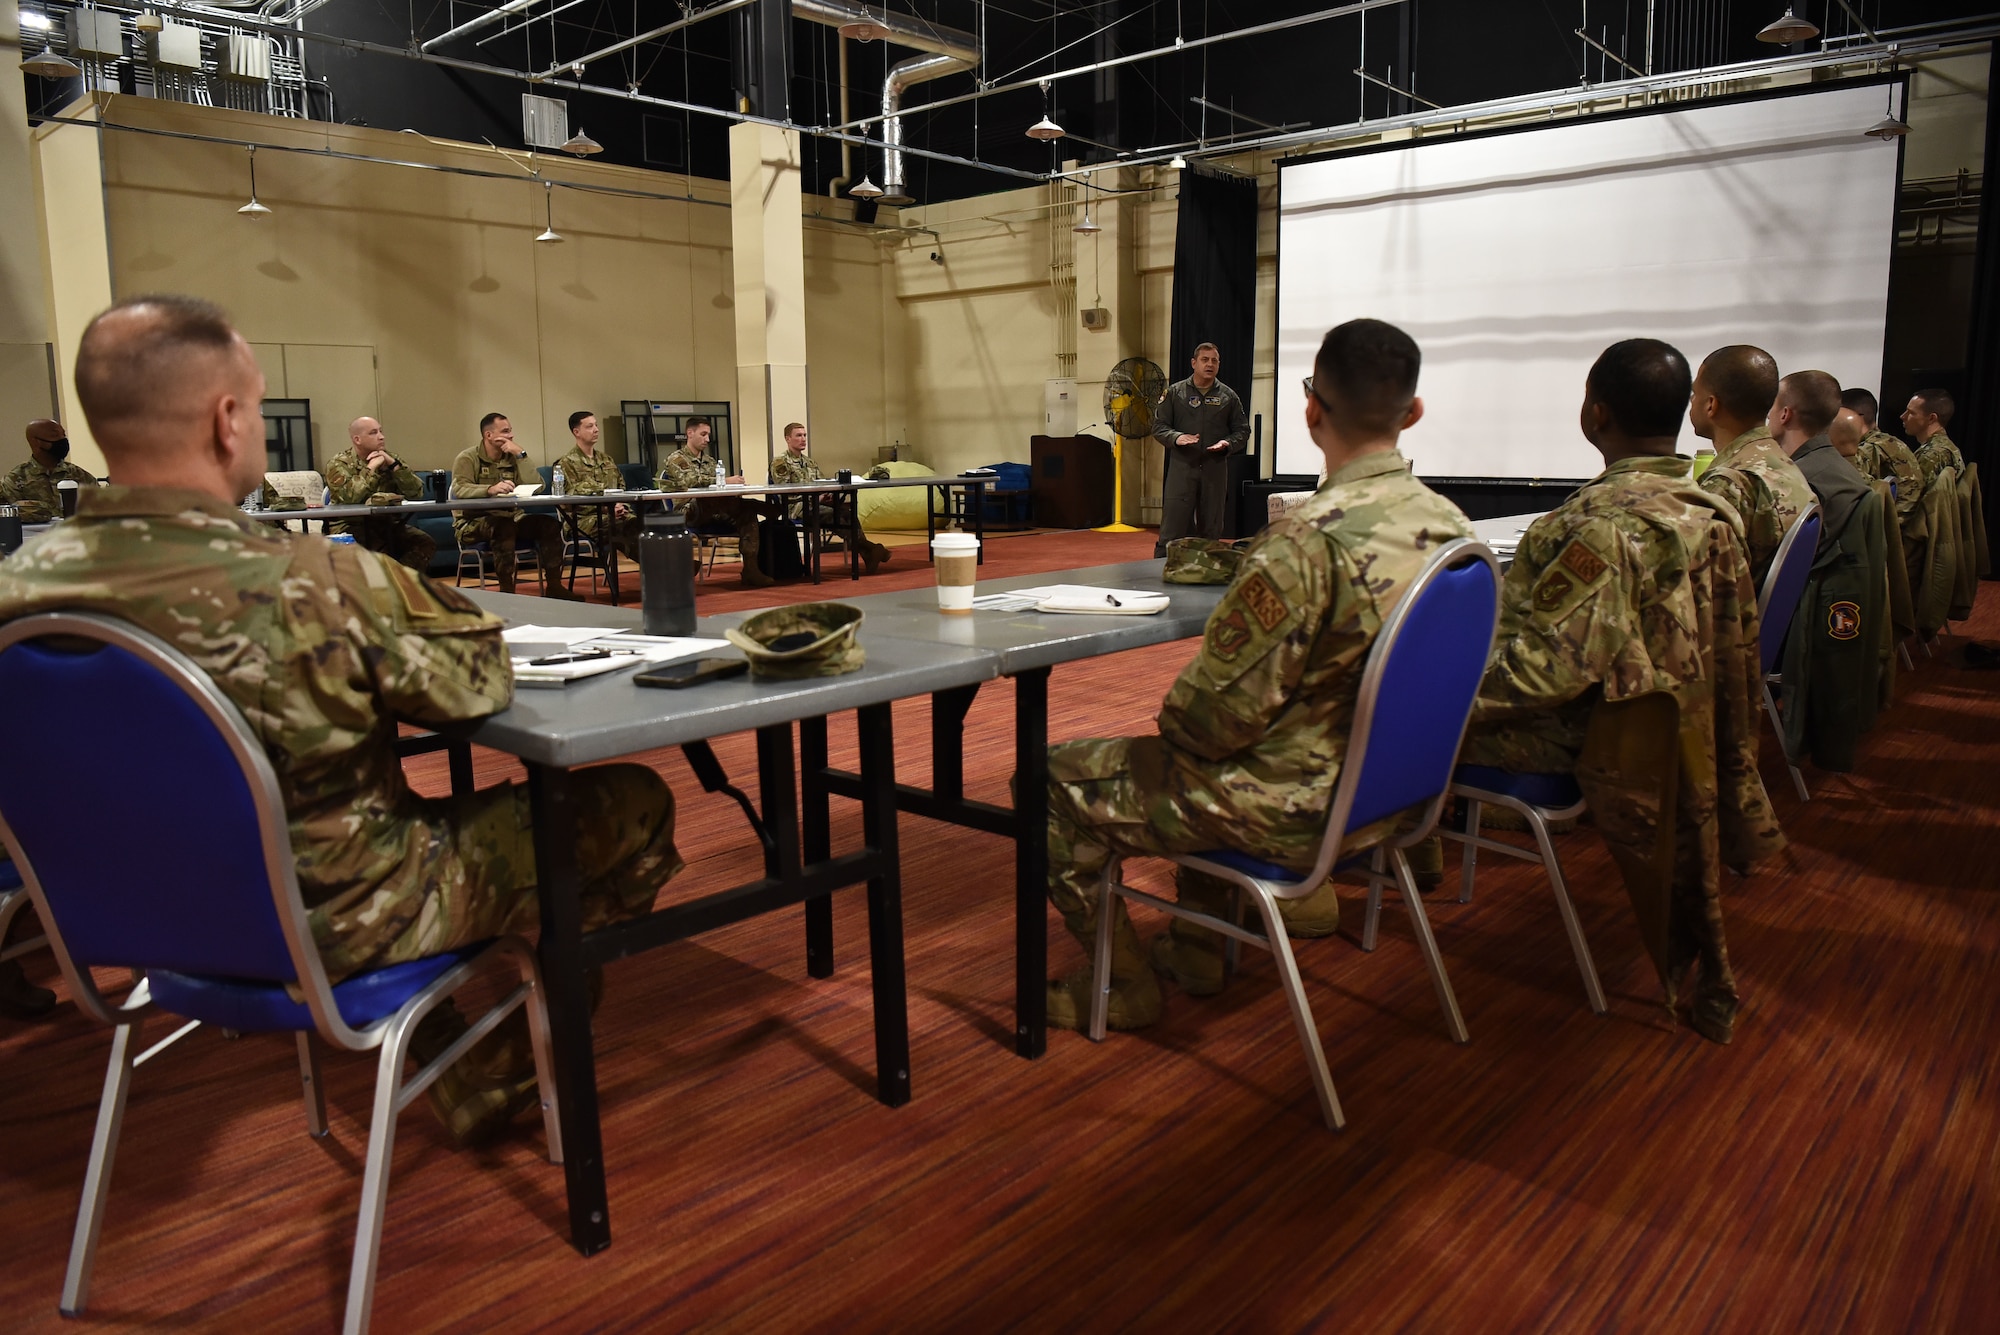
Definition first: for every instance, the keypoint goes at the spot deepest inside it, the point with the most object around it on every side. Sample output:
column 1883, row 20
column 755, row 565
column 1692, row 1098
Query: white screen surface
column 1514, row 259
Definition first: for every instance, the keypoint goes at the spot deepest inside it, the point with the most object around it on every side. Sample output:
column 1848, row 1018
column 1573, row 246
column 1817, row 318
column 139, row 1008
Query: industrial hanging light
column 1178, row 163
column 1086, row 225
column 1889, row 127
column 863, row 29
column 253, row 209
column 1784, row 31
column 49, row 65
column 865, row 189
column 1045, row 128
column 582, row 145
column 550, row 235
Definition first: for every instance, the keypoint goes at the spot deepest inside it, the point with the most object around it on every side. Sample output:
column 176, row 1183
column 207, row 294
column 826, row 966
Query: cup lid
column 965, row 540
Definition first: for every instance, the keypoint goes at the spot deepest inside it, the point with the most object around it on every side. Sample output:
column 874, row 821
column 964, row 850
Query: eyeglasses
column 1312, row 393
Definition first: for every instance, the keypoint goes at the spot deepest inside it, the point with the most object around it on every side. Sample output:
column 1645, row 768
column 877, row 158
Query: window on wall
column 665, row 139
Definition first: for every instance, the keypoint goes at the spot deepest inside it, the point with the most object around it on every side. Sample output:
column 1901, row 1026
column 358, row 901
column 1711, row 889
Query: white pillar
column 767, row 233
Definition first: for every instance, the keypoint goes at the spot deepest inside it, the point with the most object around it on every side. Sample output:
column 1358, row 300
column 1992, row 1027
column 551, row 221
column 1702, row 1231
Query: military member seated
column 693, row 468
column 325, row 647
column 795, row 466
column 588, row 472
column 1925, row 417
column 366, row 472
column 1846, row 433
column 493, row 468
column 32, row 486
column 1603, row 602
column 1732, row 395
column 1252, row 735
column 1801, row 421
column 1884, row 457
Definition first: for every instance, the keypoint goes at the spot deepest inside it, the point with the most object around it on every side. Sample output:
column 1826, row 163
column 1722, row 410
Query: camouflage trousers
column 1130, row 797
column 501, row 533
column 478, row 880
column 604, row 529
column 397, row 539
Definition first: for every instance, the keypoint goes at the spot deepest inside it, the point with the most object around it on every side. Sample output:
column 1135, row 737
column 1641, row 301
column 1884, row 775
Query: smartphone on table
column 692, row 672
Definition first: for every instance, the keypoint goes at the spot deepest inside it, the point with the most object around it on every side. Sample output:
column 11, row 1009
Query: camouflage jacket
column 1937, row 454
column 33, row 489
column 1887, row 459
column 1764, row 488
column 472, row 473
column 323, row 647
column 687, row 470
column 1637, row 583
column 352, row 482
column 1265, row 707
column 589, row 474
column 790, row 469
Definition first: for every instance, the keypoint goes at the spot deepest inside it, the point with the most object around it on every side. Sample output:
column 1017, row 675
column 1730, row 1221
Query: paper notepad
column 626, row 649
column 1091, row 600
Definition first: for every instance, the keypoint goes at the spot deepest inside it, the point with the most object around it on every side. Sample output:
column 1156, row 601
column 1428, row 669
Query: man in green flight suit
column 493, row 468
column 795, row 467
column 32, row 485
column 1732, row 395
column 1604, row 602
column 1201, row 421
column 587, row 472
column 1253, row 734
column 365, row 470
column 693, row 468
column 325, row 648
column 1925, row 417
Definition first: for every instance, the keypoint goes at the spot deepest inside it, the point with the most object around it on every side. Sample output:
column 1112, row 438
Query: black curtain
column 1215, row 290
column 1980, row 437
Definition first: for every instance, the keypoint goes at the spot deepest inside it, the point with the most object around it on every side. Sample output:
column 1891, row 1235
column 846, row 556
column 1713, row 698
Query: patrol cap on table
column 1202, row 561
column 805, row 640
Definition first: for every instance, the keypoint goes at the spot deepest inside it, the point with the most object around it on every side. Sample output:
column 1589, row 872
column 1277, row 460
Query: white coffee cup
column 956, row 556
column 66, row 495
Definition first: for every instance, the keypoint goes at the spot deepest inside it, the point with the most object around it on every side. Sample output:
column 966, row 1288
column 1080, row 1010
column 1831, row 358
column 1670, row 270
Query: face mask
column 58, row 450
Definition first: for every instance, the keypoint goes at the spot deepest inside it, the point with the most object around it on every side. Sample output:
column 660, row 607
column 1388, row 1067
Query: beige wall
column 24, row 359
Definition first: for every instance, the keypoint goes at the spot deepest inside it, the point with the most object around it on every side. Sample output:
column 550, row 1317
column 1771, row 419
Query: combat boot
column 1317, row 915
column 1427, row 863
column 478, row 1096
column 19, row 998
column 873, row 554
column 746, row 553
column 1135, row 994
column 553, row 588
column 1712, row 1014
column 1187, row 952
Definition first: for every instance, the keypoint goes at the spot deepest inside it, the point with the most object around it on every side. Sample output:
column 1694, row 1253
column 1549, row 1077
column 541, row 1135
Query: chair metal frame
column 1769, row 679
column 1388, row 861
column 389, row 1037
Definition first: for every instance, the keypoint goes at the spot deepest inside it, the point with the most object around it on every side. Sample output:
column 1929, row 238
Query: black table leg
column 948, row 710
column 818, row 840
column 458, row 755
column 779, row 798
column 559, row 889
column 812, row 535
column 885, row 906
column 978, row 499
column 610, row 555
column 1031, row 861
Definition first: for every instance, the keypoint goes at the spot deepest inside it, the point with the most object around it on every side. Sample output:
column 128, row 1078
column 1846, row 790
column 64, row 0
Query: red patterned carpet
column 1832, row 1170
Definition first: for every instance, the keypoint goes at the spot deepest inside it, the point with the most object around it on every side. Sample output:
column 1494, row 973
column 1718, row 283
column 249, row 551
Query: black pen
column 553, row 659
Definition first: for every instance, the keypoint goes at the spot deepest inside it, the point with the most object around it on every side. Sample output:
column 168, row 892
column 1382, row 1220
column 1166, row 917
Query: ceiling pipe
column 578, row 65
column 475, row 23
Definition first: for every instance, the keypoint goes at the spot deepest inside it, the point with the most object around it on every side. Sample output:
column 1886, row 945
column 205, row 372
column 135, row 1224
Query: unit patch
column 1580, row 561
column 1230, row 635
column 1265, row 602
column 1555, row 587
column 1567, row 583
column 1843, row 621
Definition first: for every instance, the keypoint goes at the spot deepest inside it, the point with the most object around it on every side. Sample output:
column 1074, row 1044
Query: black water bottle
column 666, row 575
column 10, row 529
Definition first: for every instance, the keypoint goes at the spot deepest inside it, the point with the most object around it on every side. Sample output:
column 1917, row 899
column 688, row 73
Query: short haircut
column 1937, row 401
column 790, row 427
column 1200, row 348
column 1814, row 396
column 1744, row 380
column 576, row 418
column 489, row 420
column 1861, row 401
column 138, row 355
column 694, row 422
column 1644, row 384
column 1366, row 375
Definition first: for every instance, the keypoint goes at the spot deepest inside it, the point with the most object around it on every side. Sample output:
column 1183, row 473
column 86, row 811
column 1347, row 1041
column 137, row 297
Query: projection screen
column 1515, row 257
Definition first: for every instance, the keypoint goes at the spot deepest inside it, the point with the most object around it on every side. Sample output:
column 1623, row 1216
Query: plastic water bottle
column 556, row 485
column 666, row 576
column 719, row 474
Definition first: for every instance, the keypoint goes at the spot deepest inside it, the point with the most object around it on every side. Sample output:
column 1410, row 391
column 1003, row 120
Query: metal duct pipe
column 475, row 23
column 947, row 51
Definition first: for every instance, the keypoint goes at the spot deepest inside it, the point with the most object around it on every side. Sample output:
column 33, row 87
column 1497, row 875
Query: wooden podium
column 1072, row 481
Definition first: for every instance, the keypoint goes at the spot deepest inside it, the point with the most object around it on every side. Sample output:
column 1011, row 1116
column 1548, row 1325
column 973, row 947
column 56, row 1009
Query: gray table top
column 1028, row 640
column 600, row 718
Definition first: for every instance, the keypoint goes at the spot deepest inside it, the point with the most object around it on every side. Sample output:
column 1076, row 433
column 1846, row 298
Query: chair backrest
column 637, row 478
column 1417, row 688
column 144, row 813
column 1785, row 584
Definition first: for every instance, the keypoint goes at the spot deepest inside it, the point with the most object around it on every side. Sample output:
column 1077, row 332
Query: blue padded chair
column 13, row 898
column 1416, row 694
column 198, row 894
column 1777, row 603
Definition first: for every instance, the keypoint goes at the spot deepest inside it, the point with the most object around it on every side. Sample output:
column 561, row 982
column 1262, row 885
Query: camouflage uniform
column 472, row 473
column 790, row 469
column 1935, row 455
column 324, row 647
column 1764, row 488
column 1887, row 459
column 689, row 469
column 351, row 482
column 33, row 488
column 1253, row 734
column 593, row 475
column 1638, row 583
